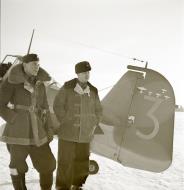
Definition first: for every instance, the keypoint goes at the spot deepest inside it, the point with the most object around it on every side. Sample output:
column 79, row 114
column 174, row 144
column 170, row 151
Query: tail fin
column 138, row 114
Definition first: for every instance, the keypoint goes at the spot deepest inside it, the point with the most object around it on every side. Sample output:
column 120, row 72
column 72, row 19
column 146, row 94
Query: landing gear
column 93, row 167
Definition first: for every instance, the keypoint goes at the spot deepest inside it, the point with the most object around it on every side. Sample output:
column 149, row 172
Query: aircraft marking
column 150, row 114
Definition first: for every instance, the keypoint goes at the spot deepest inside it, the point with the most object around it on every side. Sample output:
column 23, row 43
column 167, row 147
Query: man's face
column 83, row 77
column 31, row 68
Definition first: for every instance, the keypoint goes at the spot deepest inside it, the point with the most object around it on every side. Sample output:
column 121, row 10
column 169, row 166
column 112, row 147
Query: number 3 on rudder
column 156, row 104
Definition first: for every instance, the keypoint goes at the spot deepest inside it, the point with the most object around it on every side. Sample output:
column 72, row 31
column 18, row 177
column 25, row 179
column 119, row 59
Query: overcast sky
column 68, row 31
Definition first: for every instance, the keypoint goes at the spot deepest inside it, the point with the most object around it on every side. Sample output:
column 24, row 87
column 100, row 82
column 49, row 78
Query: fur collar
column 80, row 91
column 16, row 75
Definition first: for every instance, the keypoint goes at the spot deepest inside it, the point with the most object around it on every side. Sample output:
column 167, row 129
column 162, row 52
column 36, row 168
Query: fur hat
column 82, row 66
column 30, row 57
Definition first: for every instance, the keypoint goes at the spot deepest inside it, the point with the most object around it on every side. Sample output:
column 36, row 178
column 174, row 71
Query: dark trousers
column 42, row 158
column 73, row 164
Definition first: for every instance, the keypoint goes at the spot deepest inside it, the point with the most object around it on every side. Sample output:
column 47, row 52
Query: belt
column 27, row 108
column 31, row 108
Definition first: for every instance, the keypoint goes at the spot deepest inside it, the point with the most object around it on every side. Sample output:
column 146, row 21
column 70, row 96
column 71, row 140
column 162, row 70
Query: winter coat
column 77, row 113
column 24, row 107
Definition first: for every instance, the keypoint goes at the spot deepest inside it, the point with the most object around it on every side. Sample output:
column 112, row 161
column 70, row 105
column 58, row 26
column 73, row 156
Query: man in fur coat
column 28, row 128
column 78, row 109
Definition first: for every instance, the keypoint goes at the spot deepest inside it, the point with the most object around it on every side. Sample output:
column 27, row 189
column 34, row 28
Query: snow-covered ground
column 113, row 176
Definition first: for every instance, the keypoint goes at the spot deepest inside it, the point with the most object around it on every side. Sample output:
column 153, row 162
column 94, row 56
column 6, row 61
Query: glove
column 50, row 135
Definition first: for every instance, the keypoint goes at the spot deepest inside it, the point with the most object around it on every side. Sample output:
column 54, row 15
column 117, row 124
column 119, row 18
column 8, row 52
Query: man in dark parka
column 28, row 128
column 78, row 109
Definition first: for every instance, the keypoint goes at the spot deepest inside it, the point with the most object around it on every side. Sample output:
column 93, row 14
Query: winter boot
column 18, row 182
column 46, row 180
